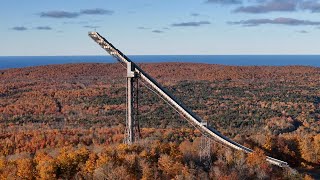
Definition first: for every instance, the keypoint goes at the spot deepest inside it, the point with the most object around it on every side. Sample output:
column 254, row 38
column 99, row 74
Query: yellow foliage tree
column 305, row 146
column 46, row 166
column 25, row 168
column 2, row 167
column 269, row 143
column 90, row 165
column 69, row 160
column 316, row 141
column 170, row 167
column 256, row 158
column 102, row 159
column 2, row 163
column 147, row 171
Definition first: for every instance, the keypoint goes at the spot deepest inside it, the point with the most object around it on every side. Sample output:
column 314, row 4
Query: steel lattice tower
column 205, row 147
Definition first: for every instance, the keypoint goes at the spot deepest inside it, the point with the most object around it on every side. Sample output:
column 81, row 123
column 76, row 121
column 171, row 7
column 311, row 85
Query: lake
column 239, row 60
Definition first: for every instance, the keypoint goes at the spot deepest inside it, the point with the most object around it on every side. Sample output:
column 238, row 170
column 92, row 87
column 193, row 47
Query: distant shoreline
column 7, row 62
column 161, row 63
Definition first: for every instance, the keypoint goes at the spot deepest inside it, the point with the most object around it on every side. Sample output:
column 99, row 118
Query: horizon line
column 166, row 55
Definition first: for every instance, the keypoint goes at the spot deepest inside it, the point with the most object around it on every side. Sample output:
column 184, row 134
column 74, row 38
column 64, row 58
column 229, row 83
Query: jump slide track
column 188, row 114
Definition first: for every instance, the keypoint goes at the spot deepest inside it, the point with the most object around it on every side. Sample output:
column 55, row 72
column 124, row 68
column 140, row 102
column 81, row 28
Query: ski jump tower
column 134, row 72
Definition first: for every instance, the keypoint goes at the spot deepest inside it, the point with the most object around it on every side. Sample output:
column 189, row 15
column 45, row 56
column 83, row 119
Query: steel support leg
column 135, row 98
column 129, row 126
column 132, row 123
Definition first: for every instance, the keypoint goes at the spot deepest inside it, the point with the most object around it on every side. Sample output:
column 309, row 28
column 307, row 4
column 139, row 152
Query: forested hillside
column 67, row 121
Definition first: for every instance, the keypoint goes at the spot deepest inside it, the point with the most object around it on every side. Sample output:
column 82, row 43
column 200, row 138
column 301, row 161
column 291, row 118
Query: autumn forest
column 68, row 122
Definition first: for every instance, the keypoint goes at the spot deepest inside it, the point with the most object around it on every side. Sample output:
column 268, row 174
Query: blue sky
column 157, row 27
